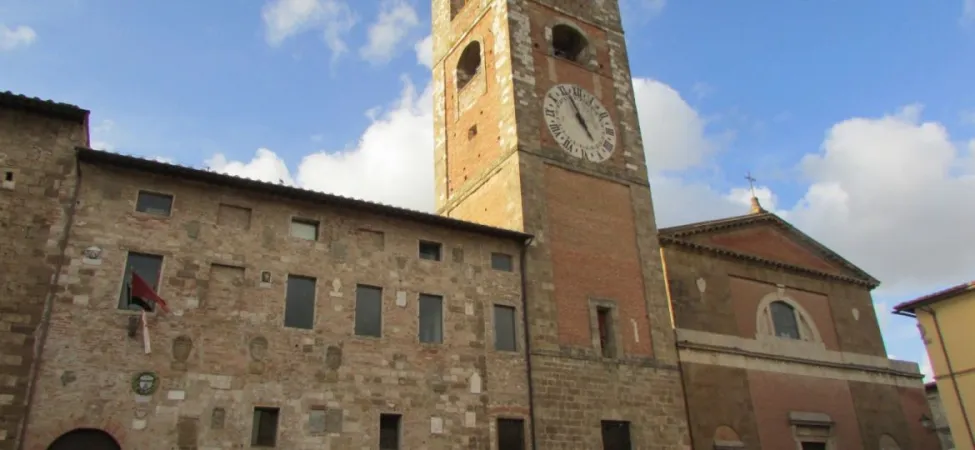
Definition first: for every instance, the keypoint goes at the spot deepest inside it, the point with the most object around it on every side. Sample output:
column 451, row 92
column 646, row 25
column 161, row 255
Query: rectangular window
column 304, row 229
column 368, row 311
column 233, row 216
column 813, row 446
column 616, row 435
column 511, row 434
column 264, row 431
column 389, row 431
column 153, row 203
column 604, row 324
column 502, row 261
column 149, row 268
column 431, row 318
column 299, row 307
column 430, row 250
column 504, row 328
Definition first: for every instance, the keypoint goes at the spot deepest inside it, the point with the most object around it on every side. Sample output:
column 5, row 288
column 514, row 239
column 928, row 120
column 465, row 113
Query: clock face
column 579, row 123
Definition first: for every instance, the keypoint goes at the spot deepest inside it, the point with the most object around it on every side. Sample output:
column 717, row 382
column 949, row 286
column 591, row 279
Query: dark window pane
column 511, row 434
column 501, row 261
column 368, row 311
column 813, row 446
column 153, row 203
column 265, row 427
column 431, row 318
column 604, row 326
column 148, row 267
column 430, row 250
column 299, row 309
column 504, row 328
column 616, row 435
column 304, row 229
column 784, row 319
column 389, row 431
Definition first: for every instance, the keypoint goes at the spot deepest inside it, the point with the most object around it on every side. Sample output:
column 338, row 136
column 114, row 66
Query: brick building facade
column 531, row 311
column 780, row 345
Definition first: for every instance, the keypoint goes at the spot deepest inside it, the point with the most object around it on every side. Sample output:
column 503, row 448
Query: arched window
column 784, row 320
column 468, row 64
column 567, row 42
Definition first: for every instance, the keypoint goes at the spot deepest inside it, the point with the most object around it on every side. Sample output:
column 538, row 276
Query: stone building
column 939, row 421
column 298, row 319
column 780, row 345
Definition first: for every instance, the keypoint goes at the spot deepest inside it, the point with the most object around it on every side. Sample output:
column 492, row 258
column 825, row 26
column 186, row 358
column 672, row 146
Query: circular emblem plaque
column 145, row 383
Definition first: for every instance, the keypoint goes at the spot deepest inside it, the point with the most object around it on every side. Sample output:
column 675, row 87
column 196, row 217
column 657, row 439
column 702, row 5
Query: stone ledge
column 803, row 352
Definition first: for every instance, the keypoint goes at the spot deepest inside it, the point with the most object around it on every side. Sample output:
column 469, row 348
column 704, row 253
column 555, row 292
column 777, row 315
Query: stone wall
column 37, row 171
column 223, row 349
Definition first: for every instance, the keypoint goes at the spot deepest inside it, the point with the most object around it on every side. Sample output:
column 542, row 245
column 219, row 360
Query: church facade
column 538, row 308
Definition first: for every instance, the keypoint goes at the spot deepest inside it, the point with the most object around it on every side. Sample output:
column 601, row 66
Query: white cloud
column 673, row 132
column 102, row 135
column 968, row 10
column 396, row 19
column 286, row 18
column 926, row 369
column 888, row 193
column 265, row 166
column 17, row 37
column 424, row 51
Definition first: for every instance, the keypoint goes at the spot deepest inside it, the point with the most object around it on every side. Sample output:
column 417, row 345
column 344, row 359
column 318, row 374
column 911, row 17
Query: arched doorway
column 85, row 439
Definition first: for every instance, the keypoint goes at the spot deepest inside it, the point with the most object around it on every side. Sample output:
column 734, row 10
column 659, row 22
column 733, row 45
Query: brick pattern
column 520, row 188
column 832, row 397
column 771, row 243
column 720, row 397
column 35, row 206
column 224, row 350
column 873, row 402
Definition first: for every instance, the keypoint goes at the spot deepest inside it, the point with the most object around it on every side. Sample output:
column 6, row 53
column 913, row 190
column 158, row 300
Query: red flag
column 143, row 293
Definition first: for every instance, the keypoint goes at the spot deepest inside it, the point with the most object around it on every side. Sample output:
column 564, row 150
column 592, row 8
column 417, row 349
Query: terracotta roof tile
column 933, row 297
column 50, row 108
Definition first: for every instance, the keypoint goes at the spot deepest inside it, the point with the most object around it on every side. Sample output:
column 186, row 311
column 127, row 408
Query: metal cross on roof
column 751, row 182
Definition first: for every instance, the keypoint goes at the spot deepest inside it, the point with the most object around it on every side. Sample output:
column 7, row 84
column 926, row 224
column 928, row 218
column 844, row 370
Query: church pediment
column 767, row 237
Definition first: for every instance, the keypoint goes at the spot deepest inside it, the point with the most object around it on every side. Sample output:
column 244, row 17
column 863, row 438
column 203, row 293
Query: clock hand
column 580, row 119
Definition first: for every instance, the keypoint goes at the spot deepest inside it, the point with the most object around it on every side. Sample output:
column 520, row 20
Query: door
column 85, row 439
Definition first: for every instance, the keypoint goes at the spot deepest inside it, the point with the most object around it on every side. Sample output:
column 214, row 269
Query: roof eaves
column 48, row 108
column 870, row 283
column 100, row 157
column 934, row 297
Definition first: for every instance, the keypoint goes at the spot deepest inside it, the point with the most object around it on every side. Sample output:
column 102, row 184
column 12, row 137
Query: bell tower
column 536, row 130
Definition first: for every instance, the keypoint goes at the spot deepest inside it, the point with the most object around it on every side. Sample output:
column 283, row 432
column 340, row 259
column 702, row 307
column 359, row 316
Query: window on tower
column 455, row 7
column 567, row 43
column 469, row 64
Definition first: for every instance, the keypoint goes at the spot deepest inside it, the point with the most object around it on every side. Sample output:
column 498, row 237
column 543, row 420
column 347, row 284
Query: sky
column 857, row 118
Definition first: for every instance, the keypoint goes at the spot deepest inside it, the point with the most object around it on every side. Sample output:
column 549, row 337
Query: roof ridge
column 50, row 108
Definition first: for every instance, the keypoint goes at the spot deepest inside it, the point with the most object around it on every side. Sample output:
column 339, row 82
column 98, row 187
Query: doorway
column 85, row 439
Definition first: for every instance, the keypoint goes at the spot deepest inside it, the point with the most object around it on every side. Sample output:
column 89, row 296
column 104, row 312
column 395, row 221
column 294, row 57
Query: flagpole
column 145, row 333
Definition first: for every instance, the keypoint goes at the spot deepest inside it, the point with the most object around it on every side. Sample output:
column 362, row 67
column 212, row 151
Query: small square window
column 502, row 261
column 304, row 229
column 430, row 250
column 153, row 203
column 264, row 431
column 8, row 176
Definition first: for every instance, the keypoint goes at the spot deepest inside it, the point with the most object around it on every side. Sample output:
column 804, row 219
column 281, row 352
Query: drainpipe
column 528, row 340
column 45, row 322
column 951, row 373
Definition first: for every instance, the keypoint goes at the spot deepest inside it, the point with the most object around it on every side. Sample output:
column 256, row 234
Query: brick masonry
column 223, row 349
column 209, row 364
column 35, row 204
column 843, row 373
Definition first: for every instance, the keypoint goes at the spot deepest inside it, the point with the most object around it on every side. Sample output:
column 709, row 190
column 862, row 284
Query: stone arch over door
column 85, row 439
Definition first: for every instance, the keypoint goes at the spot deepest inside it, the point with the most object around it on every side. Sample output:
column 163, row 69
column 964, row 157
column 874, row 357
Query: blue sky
column 858, row 118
